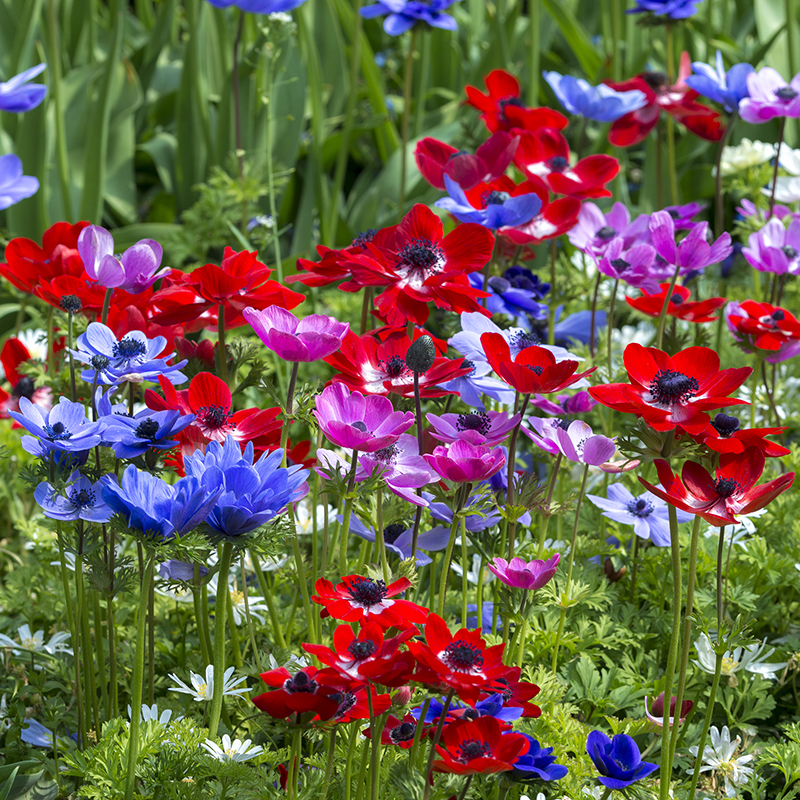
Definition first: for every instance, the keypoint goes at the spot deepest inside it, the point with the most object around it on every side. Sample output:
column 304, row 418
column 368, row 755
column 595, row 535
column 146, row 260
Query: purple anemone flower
column 356, row 422
column 521, row 574
column 472, row 387
column 514, row 294
column 309, row 339
column 770, row 97
column 574, row 439
column 174, row 570
column 634, row 265
column 474, row 523
column 618, row 761
column 404, row 14
column 647, row 513
column 64, row 427
column 501, row 210
column 14, row 186
column 398, row 539
column 478, row 427
column 487, row 618
column 135, row 271
column 600, row 103
column 595, row 230
column 81, row 499
column 463, row 462
column 694, row 253
column 775, row 248
column 18, row 96
column 726, row 88
column 538, row 762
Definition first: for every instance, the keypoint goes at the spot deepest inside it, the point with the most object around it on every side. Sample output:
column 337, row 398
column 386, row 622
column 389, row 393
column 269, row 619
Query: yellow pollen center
column 29, row 644
column 726, row 768
column 729, row 665
column 202, row 690
column 237, row 597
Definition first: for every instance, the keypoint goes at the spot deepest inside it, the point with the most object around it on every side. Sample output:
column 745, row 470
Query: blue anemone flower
column 492, row 706
column 259, row 6
column 404, row 14
column 726, row 88
column 500, row 210
column 673, row 9
column 600, row 103
column 618, row 761
column 63, row 428
column 132, row 436
column 14, row 186
column 18, row 96
column 252, row 494
column 538, row 762
column 155, row 508
column 398, row 539
column 514, row 294
column 81, row 499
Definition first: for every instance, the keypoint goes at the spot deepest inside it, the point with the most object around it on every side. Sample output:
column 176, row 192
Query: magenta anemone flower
column 775, row 248
column 401, row 466
column 632, row 265
column 573, row 439
column 477, row 427
column 579, row 403
column 521, row 574
column 463, row 462
column 360, row 423
column 694, row 253
column 309, row 339
column 135, row 271
column 595, row 230
column 770, row 97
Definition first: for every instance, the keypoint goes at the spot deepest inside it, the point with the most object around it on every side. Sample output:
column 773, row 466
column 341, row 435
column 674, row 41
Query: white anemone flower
column 790, row 160
column 304, row 522
column 203, row 688
column 472, row 574
column 236, row 750
column 254, row 602
column 787, row 189
column 719, row 757
column 152, row 714
column 750, row 659
column 746, row 154
column 34, row 643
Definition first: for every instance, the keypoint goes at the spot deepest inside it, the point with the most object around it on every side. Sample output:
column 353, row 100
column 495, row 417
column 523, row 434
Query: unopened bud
column 70, row 303
column 421, row 355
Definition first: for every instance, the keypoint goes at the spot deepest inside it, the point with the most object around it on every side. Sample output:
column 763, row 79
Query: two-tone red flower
column 679, row 305
column 534, row 370
column 13, row 355
column 723, row 435
column 502, row 109
column 300, row 693
column 668, row 392
column 719, row 498
column 478, row 747
column 545, row 154
column 400, row 732
column 354, row 703
column 516, row 693
column 763, row 326
column 460, row 661
column 358, row 599
column 373, row 364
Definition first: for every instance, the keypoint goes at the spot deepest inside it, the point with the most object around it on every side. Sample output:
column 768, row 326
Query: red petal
column 209, row 390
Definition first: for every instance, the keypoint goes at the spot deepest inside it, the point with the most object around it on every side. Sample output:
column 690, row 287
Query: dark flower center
column 82, row 499
column 25, row 388
column 404, row 732
column 300, row 683
column 525, row 339
column 557, row 163
column 504, row 689
column 498, row 284
column 368, row 592
column 676, row 299
column 395, row 366
column 726, row 487
column 360, row 426
column 70, row 303
column 147, row 429
column 778, row 315
column 361, row 648
column 789, row 252
column 605, row 233
column 472, row 749
column 129, row 348
column 563, row 423
column 656, row 80
column 670, row 386
column 495, row 198
column 468, row 364
column 470, row 714
column 640, row 508
column 674, row 213
column 391, row 533
column 462, row 656
column 347, row 702
column 725, row 425
column 536, row 370
column 57, row 432
column 620, row 264
column 365, row 236
column 387, row 453
column 509, row 101
column 478, row 421
column 100, row 363
column 422, row 255
column 214, row 417
column 785, row 93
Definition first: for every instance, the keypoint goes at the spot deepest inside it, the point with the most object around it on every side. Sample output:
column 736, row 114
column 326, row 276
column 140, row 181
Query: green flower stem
column 86, row 642
column 534, row 28
column 701, row 745
column 666, row 763
column 448, row 557
column 671, row 163
column 606, row 794
column 266, row 591
column 566, row 595
column 719, row 216
column 245, row 594
column 375, row 726
column 592, row 332
column 287, row 417
column 294, row 762
column 222, row 352
column 777, row 164
column 412, row 753
column 72, row 387
column 151, row 645
column 687, row 638
column 220, row 618
column 112, row 657
column 662, row 317
column 464, row 570
column 610, row 328
column 301, row 577
column 551, row 324
column 138, row 677
column 407, row 87
column 51, row 353
column 329, row 764
column 379, row 537
column 97, row 615
column 106, row 306
column 548, row 500
column 351, row 747
column 524, row 633
column 512, row 458
column 344, row 528
column 436, row 736
column 479, row 593
column 236, row 650
column 273, row 206
column 198, row 616
column 205, row 617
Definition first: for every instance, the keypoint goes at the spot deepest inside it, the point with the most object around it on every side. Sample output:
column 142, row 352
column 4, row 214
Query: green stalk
column 101, row 659
column 535, row 27
column 512, row 458
column 448, row 556
column 551, row 327
column 266, row 591
column 112, row 657
column 301, row 577
column 671, row 163
column 666, row 764
column 662, row 317
column 781, row 131
column 351, row 747
column 407, row 86
column 465, row 569
column 273, row 208
column 138, row 678
column 329, row 765
column 86, row 642
column 548, row 500
column 719, row 216
column 222, row 352
column 220, row 617
column 436, row 736
column 610, row 326
column 250, row 631
column 198, row 615
column 701, row 746
column 412, row 753
column 344, row 528
column 287, row 417
column 424, row 82
column 379, row 537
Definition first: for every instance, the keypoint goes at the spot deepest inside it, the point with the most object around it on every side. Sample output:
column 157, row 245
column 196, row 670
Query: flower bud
column 70, row 303
column 421, row 355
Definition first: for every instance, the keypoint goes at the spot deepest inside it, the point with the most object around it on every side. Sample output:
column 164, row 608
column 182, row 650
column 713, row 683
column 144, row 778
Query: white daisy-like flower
column 790, row 160
column 747, row 154
column 304, row 522
column 236, row 750
column 35, row 340
column 254, row 602
column 34, row 643
column 152, row 714
column 472, row 574
column 719, row 757
column 787, row 189
column 203, row 688
column 750, row 659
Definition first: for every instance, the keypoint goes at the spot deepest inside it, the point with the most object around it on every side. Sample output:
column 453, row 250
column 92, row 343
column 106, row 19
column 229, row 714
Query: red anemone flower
column 423, row 266
column 370, row 366
column 354, row 703
column 502, row 109
column 27, row 264
column 240, row 281
column 764, row 326
column 475, row 747
column 366, row 657
column 668, row 392
column 297, row 694
column 209, row 399
column 436, row 159
column 534, row 370
column 545, row 154
column 358, row 598
column 678, row 101
column 679, row 304
column 516, row 693
column 13, row 354
column 730, row 492
column 459, row 661
column 723, row 435
column 400, row 732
